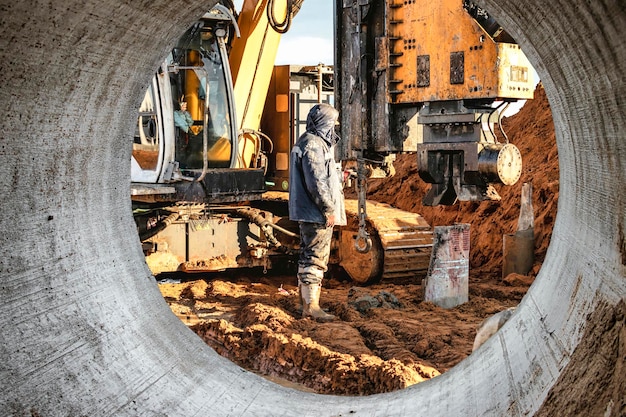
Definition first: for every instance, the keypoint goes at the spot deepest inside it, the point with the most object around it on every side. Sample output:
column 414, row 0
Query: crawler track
column 401, row 244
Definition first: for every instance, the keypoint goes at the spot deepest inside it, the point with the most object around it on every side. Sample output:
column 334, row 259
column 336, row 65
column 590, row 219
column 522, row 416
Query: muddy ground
column 386, row 337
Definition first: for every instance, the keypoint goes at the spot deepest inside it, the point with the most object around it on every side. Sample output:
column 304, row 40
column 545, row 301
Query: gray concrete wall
column 83, row 328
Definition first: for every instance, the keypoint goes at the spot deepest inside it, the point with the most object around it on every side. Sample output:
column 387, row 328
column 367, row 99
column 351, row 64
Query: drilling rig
column 423, row 77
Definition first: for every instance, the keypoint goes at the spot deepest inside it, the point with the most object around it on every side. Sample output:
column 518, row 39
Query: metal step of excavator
column 401, row 244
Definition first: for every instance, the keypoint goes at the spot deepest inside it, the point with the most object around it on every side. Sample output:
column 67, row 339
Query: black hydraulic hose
column 293, row 7
column 158, row 227
column 495, row 138
column 259, row 147
column 504, row 106
column 266, row 226
column 282, row 230
column 261, row 134
column 506, row 138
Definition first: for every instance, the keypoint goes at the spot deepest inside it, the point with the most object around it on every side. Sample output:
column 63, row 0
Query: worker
column 182, row 118
column 316, row 202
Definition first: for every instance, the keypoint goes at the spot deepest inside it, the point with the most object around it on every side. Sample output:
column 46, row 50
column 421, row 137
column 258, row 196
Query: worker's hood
column 321, row 122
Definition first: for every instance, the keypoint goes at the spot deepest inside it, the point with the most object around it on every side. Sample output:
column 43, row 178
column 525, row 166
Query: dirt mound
column 532, row 131
column 386, row 337
column 384, row 348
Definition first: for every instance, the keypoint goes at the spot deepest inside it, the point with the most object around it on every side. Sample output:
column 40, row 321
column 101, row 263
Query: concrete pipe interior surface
column 84, row 329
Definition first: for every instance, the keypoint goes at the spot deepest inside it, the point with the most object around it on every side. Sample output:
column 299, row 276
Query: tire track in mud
column 257, row 326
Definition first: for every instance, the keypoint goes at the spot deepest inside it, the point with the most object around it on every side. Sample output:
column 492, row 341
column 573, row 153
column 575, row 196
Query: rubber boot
column 311, row 303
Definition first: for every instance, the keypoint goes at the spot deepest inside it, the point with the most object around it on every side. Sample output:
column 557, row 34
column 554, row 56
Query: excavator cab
column 201, row 95
column 185, row 148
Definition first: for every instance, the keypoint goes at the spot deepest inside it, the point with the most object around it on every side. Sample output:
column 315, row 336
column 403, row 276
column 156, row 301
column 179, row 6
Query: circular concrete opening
column 85, row 331
column 410, row 343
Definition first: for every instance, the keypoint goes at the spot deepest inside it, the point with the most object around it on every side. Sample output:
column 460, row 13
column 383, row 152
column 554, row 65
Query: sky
column 309, row 41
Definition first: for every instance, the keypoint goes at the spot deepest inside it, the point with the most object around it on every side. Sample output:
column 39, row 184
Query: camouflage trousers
column 315, row 241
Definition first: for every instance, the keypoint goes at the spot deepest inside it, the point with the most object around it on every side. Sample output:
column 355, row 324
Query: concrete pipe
column 84, row 330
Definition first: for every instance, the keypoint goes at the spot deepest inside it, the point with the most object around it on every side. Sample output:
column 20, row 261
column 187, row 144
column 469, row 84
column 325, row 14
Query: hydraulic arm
column 252, row 58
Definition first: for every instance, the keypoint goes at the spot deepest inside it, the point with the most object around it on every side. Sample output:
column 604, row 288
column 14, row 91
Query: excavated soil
column 386, row 337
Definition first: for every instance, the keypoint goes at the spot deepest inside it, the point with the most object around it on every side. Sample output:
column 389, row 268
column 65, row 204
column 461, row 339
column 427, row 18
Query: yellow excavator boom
column 257, row 48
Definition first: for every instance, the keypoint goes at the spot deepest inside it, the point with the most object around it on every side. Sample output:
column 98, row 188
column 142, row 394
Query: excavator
column 210, row 155
column 196, row 164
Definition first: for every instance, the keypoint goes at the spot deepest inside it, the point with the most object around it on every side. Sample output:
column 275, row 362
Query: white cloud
column 305, row 50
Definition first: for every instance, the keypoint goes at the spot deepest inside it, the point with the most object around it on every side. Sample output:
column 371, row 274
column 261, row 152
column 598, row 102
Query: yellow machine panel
column 252, row 60
column 456, row 59
column 515, row 75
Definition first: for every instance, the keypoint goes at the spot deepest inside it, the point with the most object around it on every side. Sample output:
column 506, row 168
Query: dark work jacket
column 315, row 186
